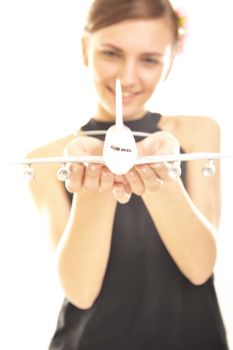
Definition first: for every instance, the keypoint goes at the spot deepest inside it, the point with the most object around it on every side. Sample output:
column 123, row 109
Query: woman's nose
column 128, row 73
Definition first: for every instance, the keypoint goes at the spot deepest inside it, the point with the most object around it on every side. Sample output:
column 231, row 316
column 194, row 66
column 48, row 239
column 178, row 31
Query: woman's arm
column 83, row 251
column 81, row 237
column 185, row 231
column 48, row 194
column 187, row 220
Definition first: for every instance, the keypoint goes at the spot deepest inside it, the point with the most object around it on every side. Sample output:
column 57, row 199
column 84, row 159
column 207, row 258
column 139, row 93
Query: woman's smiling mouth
column 127, row 96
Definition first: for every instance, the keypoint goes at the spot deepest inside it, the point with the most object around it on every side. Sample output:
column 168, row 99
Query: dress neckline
column 134, row 125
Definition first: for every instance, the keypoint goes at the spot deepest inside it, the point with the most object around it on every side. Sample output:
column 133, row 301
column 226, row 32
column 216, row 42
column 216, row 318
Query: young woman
column 135, row 253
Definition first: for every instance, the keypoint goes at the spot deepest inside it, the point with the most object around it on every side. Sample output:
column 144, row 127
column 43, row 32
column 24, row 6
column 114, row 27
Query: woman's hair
column 104, row 13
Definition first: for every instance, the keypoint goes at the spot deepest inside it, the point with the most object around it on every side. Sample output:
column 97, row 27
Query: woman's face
column 138, row 52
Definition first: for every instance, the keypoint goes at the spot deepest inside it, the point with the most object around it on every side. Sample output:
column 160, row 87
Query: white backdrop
column 43, row 95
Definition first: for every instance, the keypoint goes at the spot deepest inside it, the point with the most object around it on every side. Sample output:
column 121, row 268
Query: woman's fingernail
column 156, row 165
column 144, row 169
column 93, row 168
column 106, row 173
column 75, row 168
column 132, row 174
column 118, row 189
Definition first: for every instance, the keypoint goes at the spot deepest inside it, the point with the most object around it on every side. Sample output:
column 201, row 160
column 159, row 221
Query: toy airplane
column 120, row 152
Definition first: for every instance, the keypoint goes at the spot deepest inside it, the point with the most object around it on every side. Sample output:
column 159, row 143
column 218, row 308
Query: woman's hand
column 93, row 177
column 96, row 177
column 152, row 176
column 82, row 177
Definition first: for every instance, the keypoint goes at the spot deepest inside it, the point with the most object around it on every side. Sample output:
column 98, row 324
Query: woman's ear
column 85, row 50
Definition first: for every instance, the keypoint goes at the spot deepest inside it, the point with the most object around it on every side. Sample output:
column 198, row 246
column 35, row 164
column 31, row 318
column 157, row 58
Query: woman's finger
column 135, row 182
column 150, row 179
column 74, row 183
column 121, row 192
column 106, row 179
column 167, row 171
column 91, row 179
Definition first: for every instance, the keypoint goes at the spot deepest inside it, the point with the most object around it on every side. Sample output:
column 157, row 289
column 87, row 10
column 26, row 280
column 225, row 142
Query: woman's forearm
column 83, row 251
column 186, row 233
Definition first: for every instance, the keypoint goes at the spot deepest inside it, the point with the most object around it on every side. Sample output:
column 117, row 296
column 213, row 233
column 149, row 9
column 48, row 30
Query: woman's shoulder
column 53, row 148
column 196, row 133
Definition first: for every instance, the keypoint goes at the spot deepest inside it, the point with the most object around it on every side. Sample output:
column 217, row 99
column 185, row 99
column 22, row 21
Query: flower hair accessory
column 182, row 28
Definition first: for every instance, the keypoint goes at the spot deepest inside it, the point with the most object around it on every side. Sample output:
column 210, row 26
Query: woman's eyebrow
column 151, row 53
column 112, row 47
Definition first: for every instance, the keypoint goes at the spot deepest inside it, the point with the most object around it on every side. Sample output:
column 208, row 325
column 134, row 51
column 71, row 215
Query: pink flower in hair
column 182, row 29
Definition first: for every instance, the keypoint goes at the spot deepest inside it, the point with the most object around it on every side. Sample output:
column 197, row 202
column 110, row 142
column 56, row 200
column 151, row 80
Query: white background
column 44, row 95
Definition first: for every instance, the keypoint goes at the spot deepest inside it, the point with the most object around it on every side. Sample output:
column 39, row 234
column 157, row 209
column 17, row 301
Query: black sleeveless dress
column 145, row 303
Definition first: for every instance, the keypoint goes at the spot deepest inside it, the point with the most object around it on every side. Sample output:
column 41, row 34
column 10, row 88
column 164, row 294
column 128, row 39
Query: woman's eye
column 109, row 53
column 150, row 61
